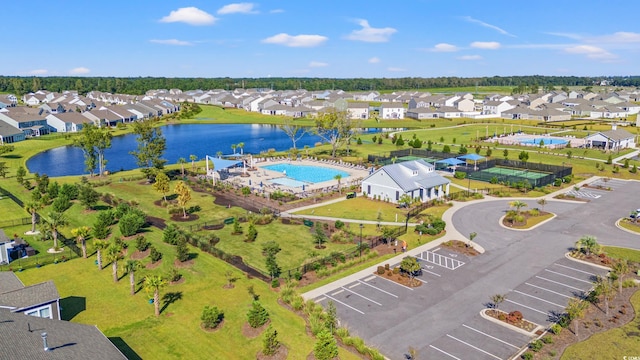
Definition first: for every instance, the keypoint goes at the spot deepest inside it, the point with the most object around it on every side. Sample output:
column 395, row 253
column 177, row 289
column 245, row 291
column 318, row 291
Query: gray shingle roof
column 618, row 134
column 403, row 175
column 9, row 282
column 25, row 297
column 20, row 338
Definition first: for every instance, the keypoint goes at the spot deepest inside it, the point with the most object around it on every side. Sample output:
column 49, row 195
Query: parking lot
column 540, row 299
column 596, row 189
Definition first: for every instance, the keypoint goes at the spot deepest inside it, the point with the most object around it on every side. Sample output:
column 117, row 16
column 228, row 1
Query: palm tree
column 219, row 154
column 234, row 146
column 619, row 269
column 32, row 208
column 182, row 161
column 155, row 283
column 100, row 245
column 193, row 159
column 575, row 310
column 55, row 221
column 241, row 147
column 114, row 253
column 130, row 267
column 517, row 204
column 339, row 178
column 306, row 150
column 542, row 202
column 588, row 244
column 497, row 299
column 605, row 287
column 81, row 234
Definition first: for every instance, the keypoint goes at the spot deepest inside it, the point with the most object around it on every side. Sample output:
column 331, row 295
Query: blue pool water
column 545, row 141
column 305, row 173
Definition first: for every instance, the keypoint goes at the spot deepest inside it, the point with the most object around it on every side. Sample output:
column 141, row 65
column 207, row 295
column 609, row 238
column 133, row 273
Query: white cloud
column 618, row 37
column 38, row 72
column 444, row 47
column 565, row 35
column 487, row 45
column 482, row 23
column 296, row 40
column 189, row 15
column 591, row 52
column 374, row 60
column 469, row 57
column 239, row 8
column 396, row 69
column 79, row 71
column 370, row 34
column 318, row 64
column 172, row 42
column 276, row 11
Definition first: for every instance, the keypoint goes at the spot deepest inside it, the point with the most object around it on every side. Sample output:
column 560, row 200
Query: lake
column 182, row 140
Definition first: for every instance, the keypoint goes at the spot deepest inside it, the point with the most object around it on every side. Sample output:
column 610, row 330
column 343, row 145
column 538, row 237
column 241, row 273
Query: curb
column 568, row 256
column 624, row 229
column 527, row 229
column 509, row 326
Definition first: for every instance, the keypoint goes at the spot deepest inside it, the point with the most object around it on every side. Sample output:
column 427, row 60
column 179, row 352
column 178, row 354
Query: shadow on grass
column 169, row 298
column 12, row 156
column 72, row 306
column 124, row 348
column 101, row 207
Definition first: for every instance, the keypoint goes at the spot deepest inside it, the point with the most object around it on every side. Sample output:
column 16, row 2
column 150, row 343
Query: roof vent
column 44, row 341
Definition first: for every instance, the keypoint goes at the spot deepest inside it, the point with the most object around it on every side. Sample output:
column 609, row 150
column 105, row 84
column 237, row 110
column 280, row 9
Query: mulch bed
column 137, row 255
column 183, row 264
column 522, row 323
column 570, row 197
column 154, row 265
column 594, row 321
column 181, row 218
column 460, row 247
column 402, row 280
column 250, row 332
column 159, row 203
column 214, row 329
column 601, row 259
column 526, row 215
column 281, row 354
column 177, row 282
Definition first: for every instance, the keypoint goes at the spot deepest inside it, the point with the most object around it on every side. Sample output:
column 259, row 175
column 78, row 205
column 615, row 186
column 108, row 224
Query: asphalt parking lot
column 441, row 318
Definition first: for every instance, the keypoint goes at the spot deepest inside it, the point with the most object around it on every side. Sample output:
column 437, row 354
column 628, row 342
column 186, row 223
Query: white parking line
column 347, row 305
column 320, row 299
column 525, row 306
column 441, row 260
column 430, row 272
column 475, row 347
column 370, row 278
column 551, row 291
column 436, row 249
column 423, row 281
column 337, row 292
column 559, row 283
column 537, row 298
column 386, row 292
column 567, row 276
column 574, row 269
column 444, row 352
column 354, row 285
column 362, row 296
column 492, row 337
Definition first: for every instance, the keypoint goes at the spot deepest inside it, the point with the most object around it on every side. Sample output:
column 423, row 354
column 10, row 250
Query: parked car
column 634, row 213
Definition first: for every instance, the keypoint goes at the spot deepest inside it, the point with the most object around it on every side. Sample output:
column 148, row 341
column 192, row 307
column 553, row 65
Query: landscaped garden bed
column 513, row 318
column 460, row 247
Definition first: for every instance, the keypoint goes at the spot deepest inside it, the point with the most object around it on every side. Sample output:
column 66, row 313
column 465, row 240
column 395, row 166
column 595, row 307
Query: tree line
column 20, row 85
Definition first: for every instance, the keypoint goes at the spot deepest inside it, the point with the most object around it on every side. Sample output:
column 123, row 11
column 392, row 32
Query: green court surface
column 411, row 157
column 529, row 174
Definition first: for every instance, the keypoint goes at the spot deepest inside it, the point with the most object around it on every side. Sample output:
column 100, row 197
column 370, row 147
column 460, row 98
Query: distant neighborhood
column 42, row 112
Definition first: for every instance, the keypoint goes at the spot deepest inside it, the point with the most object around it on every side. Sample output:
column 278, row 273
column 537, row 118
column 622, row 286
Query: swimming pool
column 305, row 173
column 545, row 141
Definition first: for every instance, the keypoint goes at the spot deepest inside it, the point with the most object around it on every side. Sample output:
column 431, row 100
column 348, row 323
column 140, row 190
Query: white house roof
column 412, row 175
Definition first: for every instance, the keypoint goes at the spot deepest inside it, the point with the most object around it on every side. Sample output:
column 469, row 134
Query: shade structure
column 451, row 162
column 472, row 157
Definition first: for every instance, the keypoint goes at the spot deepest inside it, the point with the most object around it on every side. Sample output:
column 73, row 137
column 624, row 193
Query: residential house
column 491, row 107
column 32, row 123
column 102, row 117
column 10, row 134
column 422, row 113
column 275, row 109
column 358, row 110
column 8, row 100
column 392, row 110
column 465, row 105
column 67, row 122
column 39, row 300
column 614, row 139
column 416, row 178
column 448, row 112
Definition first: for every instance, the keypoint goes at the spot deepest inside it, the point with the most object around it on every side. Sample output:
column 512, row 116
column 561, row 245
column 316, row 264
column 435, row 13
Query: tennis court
column 504, row 171
column 412, row 157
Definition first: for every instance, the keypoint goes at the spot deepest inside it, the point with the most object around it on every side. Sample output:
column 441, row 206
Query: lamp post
column 360, row 245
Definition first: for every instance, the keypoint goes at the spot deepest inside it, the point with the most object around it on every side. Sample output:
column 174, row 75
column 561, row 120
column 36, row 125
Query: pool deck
column 356, row 174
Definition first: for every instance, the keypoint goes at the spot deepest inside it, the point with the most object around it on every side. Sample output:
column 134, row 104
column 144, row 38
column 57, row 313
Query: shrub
column 536, row 345
column 270, row 342
column 257, row 315
column 325, row 347
column 106, row 217
column 141, row 243
column 170, row 234
column 555, row 329
column 155, row 255
column 252, row 233
column 211, row 317
column 130, row 223
column 460, row 175
column 381, row 270
column 182, row 252
column 275, row 283
column 339, row 224
column 174, row 275
column 514, row 316
column 527, row 356
column 61, row 204
column 547, row 340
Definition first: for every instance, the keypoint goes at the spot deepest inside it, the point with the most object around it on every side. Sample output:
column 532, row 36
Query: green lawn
column 619, row 343
column 360, row 208
column 90, row 296
column 623, row 253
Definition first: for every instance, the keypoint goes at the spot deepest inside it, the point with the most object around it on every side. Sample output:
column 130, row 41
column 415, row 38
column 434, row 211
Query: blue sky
column 330, row 38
